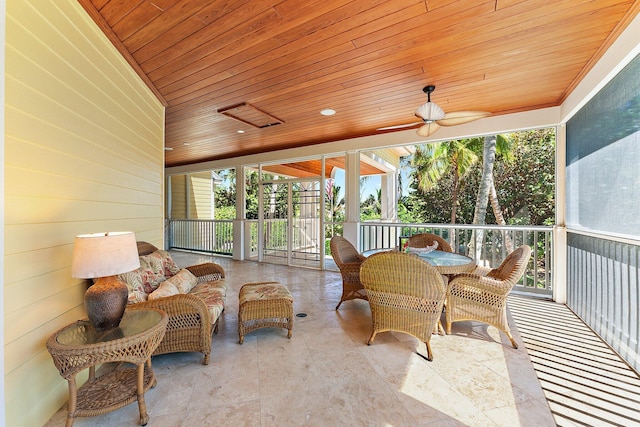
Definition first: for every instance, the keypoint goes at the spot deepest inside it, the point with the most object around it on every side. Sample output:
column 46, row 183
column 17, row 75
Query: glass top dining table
column 445, row 262
column 448, row 262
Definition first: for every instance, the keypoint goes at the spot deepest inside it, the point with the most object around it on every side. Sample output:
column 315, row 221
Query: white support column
column 260, row 214
column 323, row 213
column 239, row 235
column 560, row 230
column 389, row 196
column 560, row 264
column 351, row 228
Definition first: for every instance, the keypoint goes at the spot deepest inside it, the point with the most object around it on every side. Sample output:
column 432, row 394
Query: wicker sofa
column 194, row 304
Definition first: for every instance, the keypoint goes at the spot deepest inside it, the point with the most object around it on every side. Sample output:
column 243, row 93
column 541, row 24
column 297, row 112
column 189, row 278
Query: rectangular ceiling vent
column 250, row 115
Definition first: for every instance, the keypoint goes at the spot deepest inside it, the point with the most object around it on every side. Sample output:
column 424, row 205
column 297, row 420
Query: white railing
column 488, row 245
column 202, row 235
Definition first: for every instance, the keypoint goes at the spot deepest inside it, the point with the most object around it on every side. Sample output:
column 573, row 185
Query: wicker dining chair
column 348, row 260
column 406, row 294
column 424, row 240
column 482, row 295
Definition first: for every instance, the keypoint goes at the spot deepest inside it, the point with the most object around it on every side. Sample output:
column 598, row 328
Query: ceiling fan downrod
column 428, row 89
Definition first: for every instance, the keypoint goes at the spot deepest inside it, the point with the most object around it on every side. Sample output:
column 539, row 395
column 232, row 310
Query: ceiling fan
column 433, row 116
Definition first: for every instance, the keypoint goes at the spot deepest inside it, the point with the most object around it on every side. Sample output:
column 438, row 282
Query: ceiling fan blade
column 428, row 129
column 459, row 117
column 406, row 125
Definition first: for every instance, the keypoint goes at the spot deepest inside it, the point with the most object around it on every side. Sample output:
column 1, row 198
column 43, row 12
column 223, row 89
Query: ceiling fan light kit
column 430, row 112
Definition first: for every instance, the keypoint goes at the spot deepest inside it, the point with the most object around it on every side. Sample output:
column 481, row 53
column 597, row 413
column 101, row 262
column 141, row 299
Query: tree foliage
column 524, row 178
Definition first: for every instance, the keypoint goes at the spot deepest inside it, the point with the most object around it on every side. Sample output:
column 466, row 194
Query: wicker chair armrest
column 481, row 271
column 350, row 266
column 178, row 306
column 351, row 270
column 207, row 272
column 481, row 283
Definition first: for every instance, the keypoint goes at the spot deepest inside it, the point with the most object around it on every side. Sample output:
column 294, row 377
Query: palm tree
column 457, row 157
column 334, row 206
column 492, row 146
column 432, row 161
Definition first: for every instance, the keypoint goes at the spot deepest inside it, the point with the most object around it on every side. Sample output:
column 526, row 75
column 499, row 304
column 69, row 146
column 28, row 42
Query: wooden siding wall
column 178, row 197
column 83, row 153
column 193, row 190
column 201, row 195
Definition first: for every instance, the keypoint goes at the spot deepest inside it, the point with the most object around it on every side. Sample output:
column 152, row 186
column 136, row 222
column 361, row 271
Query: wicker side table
column 264, row 305
column 79, row 346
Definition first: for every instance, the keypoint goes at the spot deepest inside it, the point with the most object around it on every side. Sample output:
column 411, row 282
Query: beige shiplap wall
column 178, row 191
column 192, row 191
column 83, row 153
column 200, row 197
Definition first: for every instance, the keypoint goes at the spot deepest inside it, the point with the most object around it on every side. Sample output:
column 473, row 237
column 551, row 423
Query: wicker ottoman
column 264, row 305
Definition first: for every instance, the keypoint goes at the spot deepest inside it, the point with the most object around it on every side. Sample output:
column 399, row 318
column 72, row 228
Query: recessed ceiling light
column 240, row 131
column 328, row 112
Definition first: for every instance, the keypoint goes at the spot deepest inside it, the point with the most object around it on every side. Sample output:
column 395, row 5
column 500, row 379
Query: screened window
column 603, row 159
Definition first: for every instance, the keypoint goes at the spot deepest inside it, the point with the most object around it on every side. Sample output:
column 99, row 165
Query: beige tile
column 531, row 413
column 326, row 374
column 238, row 415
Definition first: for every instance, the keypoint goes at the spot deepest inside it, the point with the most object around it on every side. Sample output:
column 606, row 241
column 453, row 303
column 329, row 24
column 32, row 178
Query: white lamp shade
column 104, row 254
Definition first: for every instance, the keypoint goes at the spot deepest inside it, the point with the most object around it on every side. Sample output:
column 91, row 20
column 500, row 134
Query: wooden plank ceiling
column 366, row 59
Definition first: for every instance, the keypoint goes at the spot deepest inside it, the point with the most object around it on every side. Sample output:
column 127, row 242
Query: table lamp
column 101, row 256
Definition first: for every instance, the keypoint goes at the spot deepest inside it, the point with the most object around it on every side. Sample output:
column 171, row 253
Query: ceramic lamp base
column 105, row 302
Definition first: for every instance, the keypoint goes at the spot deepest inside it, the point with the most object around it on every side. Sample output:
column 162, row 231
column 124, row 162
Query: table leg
column 142, row 406
column 73, row 398
column 152, row 374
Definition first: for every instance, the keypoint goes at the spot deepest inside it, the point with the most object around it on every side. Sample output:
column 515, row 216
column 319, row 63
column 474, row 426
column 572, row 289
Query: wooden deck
column 585, row 382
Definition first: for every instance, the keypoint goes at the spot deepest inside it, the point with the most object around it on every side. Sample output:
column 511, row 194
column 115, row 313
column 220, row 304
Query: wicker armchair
column 406, row 294
column 482, row 295
column 348, row 261
column 189, row 328
column 426, row 239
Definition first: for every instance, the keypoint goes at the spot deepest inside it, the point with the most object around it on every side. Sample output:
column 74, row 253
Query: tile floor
column 326, row 375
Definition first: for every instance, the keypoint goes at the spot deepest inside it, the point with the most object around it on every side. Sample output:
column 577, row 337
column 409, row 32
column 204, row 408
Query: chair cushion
column 214, row 296
column 166, row 289
column 264, row 291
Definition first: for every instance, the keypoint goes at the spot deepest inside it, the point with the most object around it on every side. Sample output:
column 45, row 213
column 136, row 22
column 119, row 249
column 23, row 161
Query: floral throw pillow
column 169, row 266
column 184, row 280
column 152, row 272
column 133, row 280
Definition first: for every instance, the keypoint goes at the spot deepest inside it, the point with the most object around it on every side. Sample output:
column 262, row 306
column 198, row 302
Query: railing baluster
column 211, row 236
